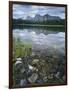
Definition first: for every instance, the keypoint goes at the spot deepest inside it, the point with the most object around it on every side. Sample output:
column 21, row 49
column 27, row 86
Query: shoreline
column 40, row 25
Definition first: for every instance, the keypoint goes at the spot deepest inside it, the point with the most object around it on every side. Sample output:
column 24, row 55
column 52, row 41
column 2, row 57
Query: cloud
column 22, row 11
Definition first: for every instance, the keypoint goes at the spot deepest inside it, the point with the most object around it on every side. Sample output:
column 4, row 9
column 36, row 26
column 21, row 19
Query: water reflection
column 53, row 41
column 39, row 56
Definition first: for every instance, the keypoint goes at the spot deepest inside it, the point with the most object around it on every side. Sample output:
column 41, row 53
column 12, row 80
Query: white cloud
column 31, row 10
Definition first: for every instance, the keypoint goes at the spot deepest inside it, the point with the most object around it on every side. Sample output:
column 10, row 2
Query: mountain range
column 46, row 17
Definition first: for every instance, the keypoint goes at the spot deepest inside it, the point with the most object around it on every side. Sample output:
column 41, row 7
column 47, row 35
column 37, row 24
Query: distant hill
column 42, row 20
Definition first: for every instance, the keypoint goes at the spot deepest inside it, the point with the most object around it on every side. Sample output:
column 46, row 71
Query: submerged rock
column 63, row 77
column 23, row 82
column 29, row 73
column 33, row 78
column 57, row 74
column 33, row 54
column 22, row 70
column 45, row 79
column 32, row 68
column 18, row 62
column 40, row 81
column 50, row 76
column 18, row 65
column 35, row 61
column 18, row 59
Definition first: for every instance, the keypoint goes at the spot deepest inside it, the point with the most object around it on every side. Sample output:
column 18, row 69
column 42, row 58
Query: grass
column 21, row 49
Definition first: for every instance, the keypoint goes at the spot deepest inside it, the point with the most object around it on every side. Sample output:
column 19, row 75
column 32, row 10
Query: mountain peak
column 46, row 15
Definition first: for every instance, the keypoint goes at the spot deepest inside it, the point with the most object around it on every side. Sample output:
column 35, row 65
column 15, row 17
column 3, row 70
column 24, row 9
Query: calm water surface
column 49, row 40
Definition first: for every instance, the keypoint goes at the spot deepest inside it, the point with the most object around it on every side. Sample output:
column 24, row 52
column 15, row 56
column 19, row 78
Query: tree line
column 47, row 22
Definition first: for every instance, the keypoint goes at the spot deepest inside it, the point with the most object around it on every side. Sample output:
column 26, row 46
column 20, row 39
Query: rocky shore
column 38, row 69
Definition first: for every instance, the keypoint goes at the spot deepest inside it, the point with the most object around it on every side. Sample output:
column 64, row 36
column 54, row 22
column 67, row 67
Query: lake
column 38, row 55
column 52, row 41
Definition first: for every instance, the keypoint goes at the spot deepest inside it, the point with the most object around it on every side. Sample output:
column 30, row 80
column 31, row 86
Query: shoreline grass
column 40, row 25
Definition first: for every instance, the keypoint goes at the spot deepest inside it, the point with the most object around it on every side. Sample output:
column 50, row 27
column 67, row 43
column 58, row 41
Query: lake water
column 50, row 40
column 46, row 62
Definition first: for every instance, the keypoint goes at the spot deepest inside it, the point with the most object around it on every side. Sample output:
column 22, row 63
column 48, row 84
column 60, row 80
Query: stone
column 57, row 74
column 23, row 82
column 50, row 76
column 17, row 82
column 30, row 67
column 18, row 65
column 22, row 70
column 33, row 78
column 55, row 56
column 63, row 77
column 18, row 59
column 42, row 62
column 29, row 73
column 40, row 81
column 17, row 62
column 45, row 79
column 33, row 54
column 42, row 74
column 35, row 61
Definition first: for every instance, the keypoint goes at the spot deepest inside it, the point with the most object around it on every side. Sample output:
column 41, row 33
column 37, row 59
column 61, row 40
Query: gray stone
column 40, row 81
column 33, row 78
column 32, row 68
column 63, row 77
column 22, row 70
column 50, row 76
column 35, row 61
column 57, row 74
column 45, row 79
column 23, row 82
column 29, row 73
column 18, row 59
column 18, row 65
column 17, row 62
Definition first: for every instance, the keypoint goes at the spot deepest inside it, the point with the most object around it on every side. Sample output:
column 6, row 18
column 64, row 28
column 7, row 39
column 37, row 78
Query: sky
column 23, row 11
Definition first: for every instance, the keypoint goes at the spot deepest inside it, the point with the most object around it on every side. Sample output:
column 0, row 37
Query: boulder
column 33, row 78
column 35, row 61
column 45, row 79
column 17, row 62
column 32, row 68
column 40, row 81
column 23, row 82
column 29, row 73
column 18, row 65
column 50, row 76
column 22, row 70
column 19, row 59
column 57, row 74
